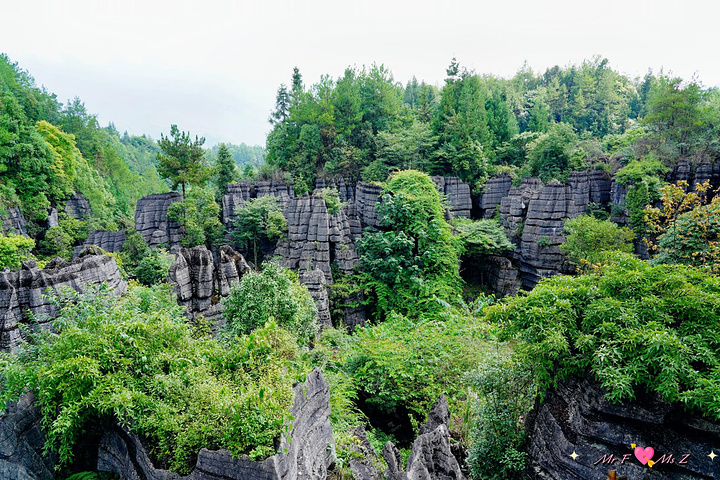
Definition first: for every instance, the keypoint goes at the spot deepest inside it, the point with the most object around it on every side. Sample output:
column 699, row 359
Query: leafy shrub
column 332, row 200
column 154, row 267
column 198, row 217
column 14, row 249
column 505, row 393
column 630, row 325
column 638, row 170
column 414, row 257
column 588, row 239
column 59, row 241
column 135, row 359
column 481, row 237
column 259, row 220
column 272, row 294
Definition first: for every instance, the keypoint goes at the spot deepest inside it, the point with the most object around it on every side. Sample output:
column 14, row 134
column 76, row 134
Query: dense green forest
column 632, row 325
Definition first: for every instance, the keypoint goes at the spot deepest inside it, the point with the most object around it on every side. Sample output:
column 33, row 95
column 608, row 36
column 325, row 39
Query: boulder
column 22, row 293
column 431, row 456
column 152, row 223
column 306, row 452
column 576, row 417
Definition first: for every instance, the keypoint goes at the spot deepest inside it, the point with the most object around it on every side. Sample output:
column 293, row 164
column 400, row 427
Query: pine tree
column 226, row 170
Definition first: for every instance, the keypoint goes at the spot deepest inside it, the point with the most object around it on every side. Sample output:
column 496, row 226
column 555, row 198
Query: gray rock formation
column 496, row 189
column 201, row 281
column 577, row 418
column 152, row 223
column 366, row 196
column 366, row 465
column 52, row 218
column 282, row 191
column 345, row 188
column 457, row 193
column 306, row 453
column 108, row 241
column 22, row 293
column 21, row 443
column 500, row 275
column 431, row 456
column 77, row 206
column 236, row 196
column 315, row 282
column 13, row 222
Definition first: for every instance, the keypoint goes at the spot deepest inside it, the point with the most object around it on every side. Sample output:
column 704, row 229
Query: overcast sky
column 213, row 67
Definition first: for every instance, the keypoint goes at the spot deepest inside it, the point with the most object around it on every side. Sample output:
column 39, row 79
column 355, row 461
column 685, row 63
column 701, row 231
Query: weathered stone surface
column 309, row 448
column 108, row 241
column 367, row 466
column 457, row 193
column 52, row 218
column 345, row 188
column 152, row 223
column 496, row 189
column 201, row 281
column 21, row 293
column 77, row 206
column 431, row 456
column 577, row 417
column 366, row 196
column 14, row 222
column 21, row 443
column 315, row 282
column 236, row 196
column 500, row 275
column 282, row 191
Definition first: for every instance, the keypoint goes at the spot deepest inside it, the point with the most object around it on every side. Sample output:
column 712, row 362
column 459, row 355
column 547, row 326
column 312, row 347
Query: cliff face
column 108, row 241
column 13, row 222
column 575, row 417
column 152, row 223
column 21, row 293
column 77, row 206
column 201, row 281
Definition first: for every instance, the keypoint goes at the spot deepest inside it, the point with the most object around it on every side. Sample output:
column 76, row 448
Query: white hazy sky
column 213, row 67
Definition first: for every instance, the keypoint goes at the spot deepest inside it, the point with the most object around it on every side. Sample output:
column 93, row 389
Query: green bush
column 259, row 220
column 630, row 325
column 589, row 239
column 332, row 200
column 135, row 359
column 14, row 249
column 272, row 294
column 198, row 217
column 154, row 267
column 481, row 237
column 505, row 391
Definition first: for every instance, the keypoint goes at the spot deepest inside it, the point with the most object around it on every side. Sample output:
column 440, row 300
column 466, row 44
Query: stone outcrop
column 315, row 282
column 576, row 417
column 345, row 188
column 366, row 196
column 495, row 190
column 22, row 293
column 500, row 275
column 21, row 443
column 77, row 206
column 431, row 456
column 534, row 215
column 201, row 280
column 236, row 196
column 365, row 464
column 457, row 194
column 108, row 241
column 13, row 222
column 152, row 223
column 305, row 453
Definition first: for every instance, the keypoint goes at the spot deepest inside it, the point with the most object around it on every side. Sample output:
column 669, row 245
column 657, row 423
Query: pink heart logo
column 644, row 455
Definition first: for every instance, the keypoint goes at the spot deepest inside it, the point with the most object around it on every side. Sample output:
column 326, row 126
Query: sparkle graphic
column 574, row 455
column 712, row 455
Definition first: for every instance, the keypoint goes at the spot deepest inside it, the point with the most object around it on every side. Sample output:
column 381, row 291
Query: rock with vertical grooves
column 314, row 280
column 151, row 220
column 236, row 196
column 500, row 275
column 366, row 196
column 495, row 190
column 22, row 293
column 457, row 194
column 305, row 454
column 13, row 222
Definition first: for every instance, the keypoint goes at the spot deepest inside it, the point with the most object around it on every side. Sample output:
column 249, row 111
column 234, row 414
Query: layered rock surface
column 201, row 281
column 77, row 206
column 151, row 220
column 576, row 417
column 108, row 241
column 457, row 194
column 305, row 453
column 22, row 293
column 13, row 222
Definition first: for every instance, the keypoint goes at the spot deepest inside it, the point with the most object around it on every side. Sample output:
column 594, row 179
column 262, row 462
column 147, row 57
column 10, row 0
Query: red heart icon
column 644, row 455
